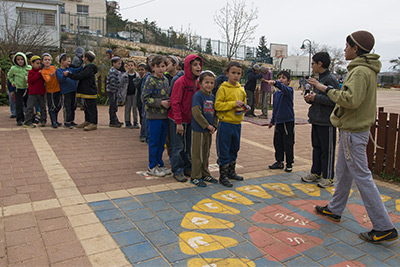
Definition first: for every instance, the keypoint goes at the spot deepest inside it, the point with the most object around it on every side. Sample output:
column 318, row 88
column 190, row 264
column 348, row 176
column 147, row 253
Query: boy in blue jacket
column 283, row 119
column 68, row 89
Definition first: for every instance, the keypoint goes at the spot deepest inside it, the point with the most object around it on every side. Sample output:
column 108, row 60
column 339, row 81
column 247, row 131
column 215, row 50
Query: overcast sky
column 287, row 22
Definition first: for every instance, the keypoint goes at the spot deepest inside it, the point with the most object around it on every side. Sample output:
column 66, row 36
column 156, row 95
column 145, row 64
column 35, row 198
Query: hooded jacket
column 283, row 104
column 320, row 110
column 36, row 82
column 355, row 109
column 87, row 82
column 77, row 60
column 17, row 75
column 225, row 102
column 182, row 93
column 125, row 83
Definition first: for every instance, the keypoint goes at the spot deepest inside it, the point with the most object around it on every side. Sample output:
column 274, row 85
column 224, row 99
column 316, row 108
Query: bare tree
column 16, row 35
column 236, row 24
column 337, row 54
column 396, row 64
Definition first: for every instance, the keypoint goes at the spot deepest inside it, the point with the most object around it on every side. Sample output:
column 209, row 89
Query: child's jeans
column 32, row 101
column 157, row 134
column 70, row 106
column 180, row 148
column 228, row 142
column 113, row 99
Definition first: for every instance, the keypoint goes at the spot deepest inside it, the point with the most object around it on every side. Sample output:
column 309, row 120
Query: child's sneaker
column 198, row 182
column 90, row 127
column 83, row 124
column 311, row 178
column 379, row 236
column 156, row 172
column 42, row 124
column 288, row 168
column 30, row 125
column 324, row 183
column 326, row 212
column 180, row 178
column 210, row 179
column 135, row 126
column 276, row 165
column 73, row 124
column 165, row 170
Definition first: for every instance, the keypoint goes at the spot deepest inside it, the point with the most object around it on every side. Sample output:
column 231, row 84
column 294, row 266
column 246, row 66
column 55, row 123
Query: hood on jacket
column 229, row 85
column 20, row 54
column 79, row 51
column 187, row 68
column 92, row 66
column 367, row 60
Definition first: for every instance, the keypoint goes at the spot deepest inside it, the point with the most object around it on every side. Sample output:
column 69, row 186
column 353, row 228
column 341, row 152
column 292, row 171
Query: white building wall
column 13, row 7
column 298, row 65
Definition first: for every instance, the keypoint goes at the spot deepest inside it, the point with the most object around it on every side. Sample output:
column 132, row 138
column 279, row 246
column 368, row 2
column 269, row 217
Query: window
column 82, row 10
column 34, row 17
column 63, row 8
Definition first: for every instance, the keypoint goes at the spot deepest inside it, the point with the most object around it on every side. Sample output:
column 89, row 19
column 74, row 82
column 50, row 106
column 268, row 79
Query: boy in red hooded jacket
column 180, row 115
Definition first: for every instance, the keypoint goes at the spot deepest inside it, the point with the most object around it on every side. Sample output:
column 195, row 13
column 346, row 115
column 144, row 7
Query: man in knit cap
column 353, row 114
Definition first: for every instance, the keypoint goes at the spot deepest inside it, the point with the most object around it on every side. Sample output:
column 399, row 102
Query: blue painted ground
column 147, row 228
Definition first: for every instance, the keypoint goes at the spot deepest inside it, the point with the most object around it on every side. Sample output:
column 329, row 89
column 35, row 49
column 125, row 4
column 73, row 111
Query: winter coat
column 67, row 85
column 17, row 75
column 321, row 108
column 283, row 104
column 87, row 82
column 355, row 109
column 225, row 102
column 182, row 93
column 36, row 82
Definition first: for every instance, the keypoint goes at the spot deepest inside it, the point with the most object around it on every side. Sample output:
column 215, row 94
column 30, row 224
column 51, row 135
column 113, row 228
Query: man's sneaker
column 379, row 236
column 198, row 182
column 165, row 170
column 324, row 183
column 276, row 165
column 83, row 124
column 180, row 178
column 156, row 172
column 288, row 168
column 326, row 212
column 90, row 127
column 30, row 125
column 311, row 178
column 210, row 179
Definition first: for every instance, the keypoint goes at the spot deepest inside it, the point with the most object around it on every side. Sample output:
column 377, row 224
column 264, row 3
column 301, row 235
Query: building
column 298, row 65
column 87, row 16
column 30, row 18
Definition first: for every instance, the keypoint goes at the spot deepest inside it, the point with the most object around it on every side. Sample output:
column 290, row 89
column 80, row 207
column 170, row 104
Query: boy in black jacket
column 87, row 90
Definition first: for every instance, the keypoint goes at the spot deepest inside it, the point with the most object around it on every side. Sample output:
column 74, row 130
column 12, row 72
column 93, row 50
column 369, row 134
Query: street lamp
column 309, row 54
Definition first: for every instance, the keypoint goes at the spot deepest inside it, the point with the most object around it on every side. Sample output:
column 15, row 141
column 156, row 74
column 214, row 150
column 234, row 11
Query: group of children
column 35, row 81
column 185, row 114
column 175, row 107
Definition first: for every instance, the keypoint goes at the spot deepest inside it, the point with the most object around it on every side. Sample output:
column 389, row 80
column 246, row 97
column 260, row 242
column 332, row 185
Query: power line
column 141, row 4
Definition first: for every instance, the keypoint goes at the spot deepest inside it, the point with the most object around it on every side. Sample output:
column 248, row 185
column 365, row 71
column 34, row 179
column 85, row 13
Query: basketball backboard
column 279, row 50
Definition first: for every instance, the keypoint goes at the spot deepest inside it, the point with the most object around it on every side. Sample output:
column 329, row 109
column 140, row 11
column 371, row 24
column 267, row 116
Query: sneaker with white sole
column 324, row 183
column 311, row 178
column 156, row 171
column 165, row 170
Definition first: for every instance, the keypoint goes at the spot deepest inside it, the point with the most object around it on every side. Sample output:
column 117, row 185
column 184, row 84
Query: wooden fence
column 384, row 151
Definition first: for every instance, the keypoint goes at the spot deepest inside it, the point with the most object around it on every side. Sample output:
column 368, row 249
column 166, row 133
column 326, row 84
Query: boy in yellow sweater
column 230, row 104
